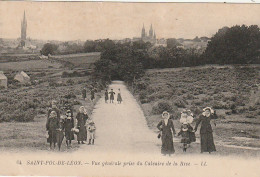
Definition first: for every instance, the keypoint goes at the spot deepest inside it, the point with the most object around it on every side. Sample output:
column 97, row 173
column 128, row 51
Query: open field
column 29, row 65
column 82, row 60
column 232, row 91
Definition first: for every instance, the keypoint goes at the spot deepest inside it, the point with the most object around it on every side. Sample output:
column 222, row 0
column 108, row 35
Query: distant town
column 25, row 44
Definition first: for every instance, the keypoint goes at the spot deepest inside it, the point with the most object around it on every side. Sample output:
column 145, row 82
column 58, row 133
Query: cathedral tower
column 151, row 32
column 143, row 33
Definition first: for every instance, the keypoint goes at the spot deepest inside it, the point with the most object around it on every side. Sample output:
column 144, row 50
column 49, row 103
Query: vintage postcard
column 129, row 89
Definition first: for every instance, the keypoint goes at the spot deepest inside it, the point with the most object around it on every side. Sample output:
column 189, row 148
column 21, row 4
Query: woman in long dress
column 119, row 97
column 206, row 135
column 81, row 125
column 167, row 130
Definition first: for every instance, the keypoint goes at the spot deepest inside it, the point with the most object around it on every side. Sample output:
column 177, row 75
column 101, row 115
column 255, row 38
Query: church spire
column 143, row 32
column 151, row 31
column 23, row 30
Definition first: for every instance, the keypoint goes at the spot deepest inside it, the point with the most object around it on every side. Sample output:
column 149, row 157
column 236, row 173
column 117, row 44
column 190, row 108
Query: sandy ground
column 122, row 127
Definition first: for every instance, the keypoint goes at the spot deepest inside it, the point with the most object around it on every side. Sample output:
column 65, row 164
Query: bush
column 70, row 82
column 180, row 103
column 162, row 106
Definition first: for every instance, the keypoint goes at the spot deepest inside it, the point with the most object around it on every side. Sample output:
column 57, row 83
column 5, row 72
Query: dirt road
column 122, row 127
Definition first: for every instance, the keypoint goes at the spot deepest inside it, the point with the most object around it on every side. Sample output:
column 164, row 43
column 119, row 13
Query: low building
column 22, row 77
column 3, row 80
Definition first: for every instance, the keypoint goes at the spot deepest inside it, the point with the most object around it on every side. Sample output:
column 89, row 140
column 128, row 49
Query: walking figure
column 112, row 93
column 52, row 125
column 119, row 97
column 68, row 126
column 84, row 93
column 92, row 92
column 185, row 135
column 206, row 135
column 167, row 131
column 81, row 125
column 60, row 132
column 91, row 128
column 187, row 118
column 106, row 96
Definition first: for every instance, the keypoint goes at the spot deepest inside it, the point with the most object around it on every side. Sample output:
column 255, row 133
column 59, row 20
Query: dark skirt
column 167, row 145
column 82, row 135
column 69, row 134
column 119, row 98
column 192, row 137
column 52, row 136
column 106, row 97
column 207, row 142
column 185, row 140
column 60, row 136
column 92, row 97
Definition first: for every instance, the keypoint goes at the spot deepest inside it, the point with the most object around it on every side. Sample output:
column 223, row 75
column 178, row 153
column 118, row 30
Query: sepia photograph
column 129, row 89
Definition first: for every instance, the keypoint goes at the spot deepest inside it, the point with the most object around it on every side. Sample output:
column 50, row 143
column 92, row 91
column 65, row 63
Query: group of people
column 92, row 93
column 58, row 125
column 111, row 97
column 187, row 132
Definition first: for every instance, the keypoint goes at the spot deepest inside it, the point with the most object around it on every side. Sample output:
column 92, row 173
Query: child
column 185, row 138
column 112, row 93
column 186, row 117
column 91, row 128
column 68, row 126
column 119, row 97
column 60, row 132
column 51, row 125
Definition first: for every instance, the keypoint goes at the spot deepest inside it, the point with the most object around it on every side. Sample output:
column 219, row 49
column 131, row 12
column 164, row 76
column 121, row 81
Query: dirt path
column 122, row 127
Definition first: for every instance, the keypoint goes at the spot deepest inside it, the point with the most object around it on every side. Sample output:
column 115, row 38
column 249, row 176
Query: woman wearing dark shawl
column 167, row 130
column 206, row 135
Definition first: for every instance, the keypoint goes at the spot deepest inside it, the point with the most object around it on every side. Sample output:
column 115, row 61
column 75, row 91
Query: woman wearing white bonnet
column 167, row 129
column 206, row 135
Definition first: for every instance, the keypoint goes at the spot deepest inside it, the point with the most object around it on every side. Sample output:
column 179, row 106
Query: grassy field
column 232, row 91
column 29, row 65
column 82, row 60
column 24, row 107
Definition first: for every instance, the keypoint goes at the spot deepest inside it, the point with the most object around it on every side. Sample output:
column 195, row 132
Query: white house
column 3, row 80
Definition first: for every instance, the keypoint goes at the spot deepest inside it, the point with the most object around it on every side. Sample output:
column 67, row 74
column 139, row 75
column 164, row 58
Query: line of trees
column 235, row 45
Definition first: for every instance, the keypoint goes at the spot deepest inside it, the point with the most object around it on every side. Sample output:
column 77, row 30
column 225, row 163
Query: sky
column 96, row 20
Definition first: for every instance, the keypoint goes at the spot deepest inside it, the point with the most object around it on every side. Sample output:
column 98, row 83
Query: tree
column 90, row 46
column 49, row 48
column 172, row 42
column 119, row 62
column 235, row 45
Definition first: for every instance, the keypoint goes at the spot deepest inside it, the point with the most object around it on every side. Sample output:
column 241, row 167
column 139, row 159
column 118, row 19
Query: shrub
column 162, row 106
column 70, row 95
column 180, row 103
column 70, row 82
